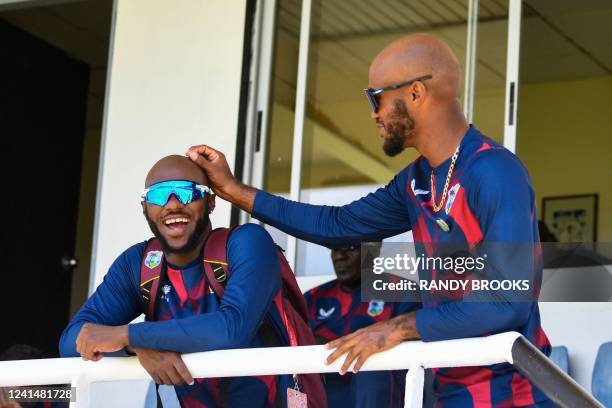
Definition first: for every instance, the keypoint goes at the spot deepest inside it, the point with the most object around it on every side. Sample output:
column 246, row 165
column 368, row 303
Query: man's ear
column 144, row 207
column 211, row 202
column 418, row 91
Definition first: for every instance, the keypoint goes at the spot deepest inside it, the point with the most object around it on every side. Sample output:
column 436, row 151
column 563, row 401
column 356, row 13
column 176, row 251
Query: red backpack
column 289, row 300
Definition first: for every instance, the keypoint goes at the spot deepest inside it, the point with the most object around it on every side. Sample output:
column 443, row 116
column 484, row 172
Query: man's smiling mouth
column 177, row 225
column 175, row 220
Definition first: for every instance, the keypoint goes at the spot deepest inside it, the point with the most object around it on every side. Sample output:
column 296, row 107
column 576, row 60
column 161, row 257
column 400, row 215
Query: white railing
column 413, row 355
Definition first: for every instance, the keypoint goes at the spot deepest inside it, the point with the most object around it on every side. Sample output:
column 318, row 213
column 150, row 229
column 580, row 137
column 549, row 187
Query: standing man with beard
column 463, row 189
column 189, row 317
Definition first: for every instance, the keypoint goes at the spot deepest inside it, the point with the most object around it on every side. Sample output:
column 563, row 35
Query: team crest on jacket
column 452, row 194
column 376, row 307
column 153, row 259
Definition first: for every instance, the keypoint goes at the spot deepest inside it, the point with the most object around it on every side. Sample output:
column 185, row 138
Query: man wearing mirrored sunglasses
column 464, row 189
column 188, row 316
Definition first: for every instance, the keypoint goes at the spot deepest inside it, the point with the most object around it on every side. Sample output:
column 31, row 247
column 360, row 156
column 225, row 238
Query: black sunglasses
column 373, row 94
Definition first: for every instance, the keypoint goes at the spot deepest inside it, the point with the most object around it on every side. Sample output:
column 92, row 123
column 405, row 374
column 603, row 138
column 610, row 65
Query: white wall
column 174, row 81
column 119, row 394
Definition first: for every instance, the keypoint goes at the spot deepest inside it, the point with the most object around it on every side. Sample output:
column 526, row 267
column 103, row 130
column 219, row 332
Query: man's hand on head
column 95, row 339
column 221, row 179
column 165, row 367
column 370, row 340
column 215, row 165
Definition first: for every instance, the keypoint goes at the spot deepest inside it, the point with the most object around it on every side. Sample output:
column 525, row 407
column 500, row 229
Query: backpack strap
column 291, row 289
column 216, row 270
column 152, row 269
column 289, row 302
column 216, row 267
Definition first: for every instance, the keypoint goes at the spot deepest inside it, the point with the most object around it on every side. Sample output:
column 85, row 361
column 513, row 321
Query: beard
column 192, row 241
column 399, row 128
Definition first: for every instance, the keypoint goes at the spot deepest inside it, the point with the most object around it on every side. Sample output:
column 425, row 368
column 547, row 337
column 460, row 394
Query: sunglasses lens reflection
column 161, row 195
column 372, row 100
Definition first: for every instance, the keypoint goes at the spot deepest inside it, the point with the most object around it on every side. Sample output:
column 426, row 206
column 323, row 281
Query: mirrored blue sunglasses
column 185, row 191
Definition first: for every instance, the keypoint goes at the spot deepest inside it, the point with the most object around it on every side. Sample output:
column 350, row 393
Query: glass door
column 564, row 105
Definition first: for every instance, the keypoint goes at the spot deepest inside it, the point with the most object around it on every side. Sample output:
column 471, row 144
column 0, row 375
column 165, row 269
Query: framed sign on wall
column 571, row 218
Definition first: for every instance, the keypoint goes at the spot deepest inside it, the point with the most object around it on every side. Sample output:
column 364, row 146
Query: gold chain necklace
column 438, row 207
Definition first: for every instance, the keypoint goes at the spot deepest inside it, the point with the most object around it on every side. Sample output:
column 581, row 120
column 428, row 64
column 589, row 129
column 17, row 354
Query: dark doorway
column 42, row 119
column 52, row 80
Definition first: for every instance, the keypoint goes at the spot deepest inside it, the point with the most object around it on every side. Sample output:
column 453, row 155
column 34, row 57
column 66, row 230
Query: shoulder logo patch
column 452, row 194
column 165, row 289
column 324, row 314
column 376, row 307
column 417, row 191
column 153, row 259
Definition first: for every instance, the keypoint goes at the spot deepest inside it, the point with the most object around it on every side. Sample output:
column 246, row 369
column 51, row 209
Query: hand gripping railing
column 508, row 347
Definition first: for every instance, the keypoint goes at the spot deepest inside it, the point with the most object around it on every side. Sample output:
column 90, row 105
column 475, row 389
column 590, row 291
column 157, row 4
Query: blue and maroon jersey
column 190, row 317
column 491, row 200
column 186, row 293
column 335, row 311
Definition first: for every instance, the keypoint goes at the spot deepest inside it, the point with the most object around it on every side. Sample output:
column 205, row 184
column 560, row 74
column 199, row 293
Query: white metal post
column 470, row 60
column 251, row 118
column 415, row 379
column 259, row 98
column 298, row 127
column 82, row 386
column 512, row 74
column 107, row 93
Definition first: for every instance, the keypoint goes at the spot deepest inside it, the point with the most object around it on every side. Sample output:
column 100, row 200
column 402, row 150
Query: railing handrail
column 415, row 355
column 264, row 361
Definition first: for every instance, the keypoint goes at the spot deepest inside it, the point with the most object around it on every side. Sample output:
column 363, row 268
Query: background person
column 336, row 309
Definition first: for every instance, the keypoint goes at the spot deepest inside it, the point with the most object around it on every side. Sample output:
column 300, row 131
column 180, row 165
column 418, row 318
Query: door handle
column 69, row 263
